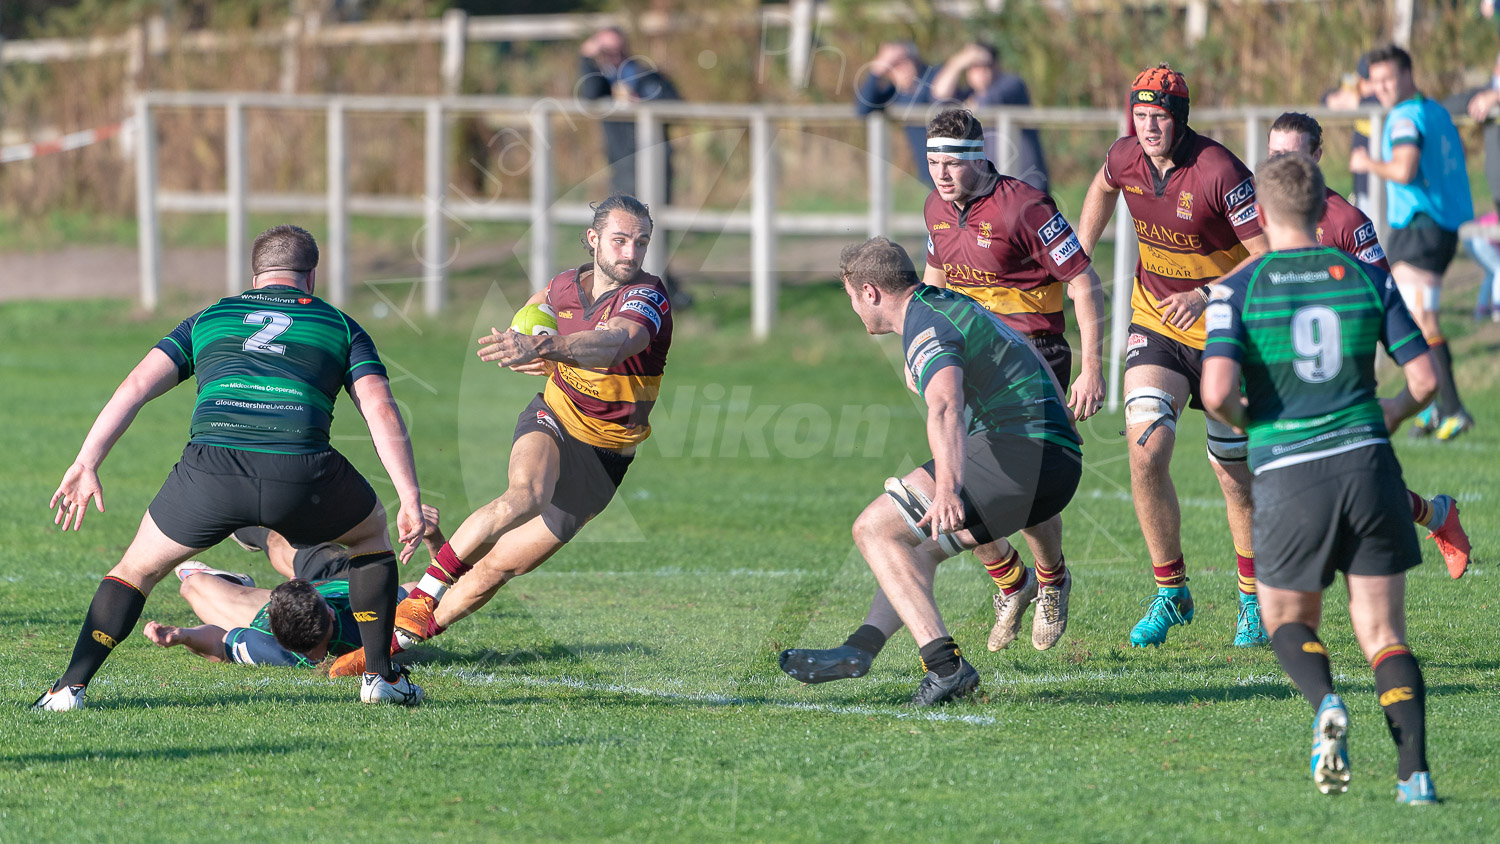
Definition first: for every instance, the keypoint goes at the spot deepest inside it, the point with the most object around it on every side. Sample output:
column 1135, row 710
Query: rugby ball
column 535, row 319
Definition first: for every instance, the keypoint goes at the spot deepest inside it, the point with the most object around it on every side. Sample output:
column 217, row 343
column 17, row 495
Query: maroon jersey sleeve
column 1114, row 162
column 930, row 220
column 1362, row 241
column 1231, row 192
column 646, row 304
column 1045, row 233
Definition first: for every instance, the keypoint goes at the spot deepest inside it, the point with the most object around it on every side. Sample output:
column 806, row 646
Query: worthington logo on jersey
column 1298, row 278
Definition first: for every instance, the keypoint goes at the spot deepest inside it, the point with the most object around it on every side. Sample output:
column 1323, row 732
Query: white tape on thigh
column 912, row 504
column 1151, row 407
column 1225, row 444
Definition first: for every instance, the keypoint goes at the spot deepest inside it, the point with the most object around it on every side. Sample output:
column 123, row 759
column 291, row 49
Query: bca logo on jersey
column 1364, row 233
column 649, row 295
column 1053, row 229
column 1242, row 193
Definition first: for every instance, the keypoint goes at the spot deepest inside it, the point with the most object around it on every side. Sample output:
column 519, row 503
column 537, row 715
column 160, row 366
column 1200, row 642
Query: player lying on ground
column 269, row 363
column 1193, row 205
column 1003, row 243
column 296, row 624
column 574, row 443
column 1005, row 456
column 1302, row 325
column 1346, row 228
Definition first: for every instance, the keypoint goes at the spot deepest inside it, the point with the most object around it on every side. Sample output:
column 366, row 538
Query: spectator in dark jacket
column 606, row 70
column 898, row 80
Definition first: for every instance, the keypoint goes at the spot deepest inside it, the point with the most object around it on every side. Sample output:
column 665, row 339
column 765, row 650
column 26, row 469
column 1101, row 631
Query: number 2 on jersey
column 276, row 324
column 1317, row 339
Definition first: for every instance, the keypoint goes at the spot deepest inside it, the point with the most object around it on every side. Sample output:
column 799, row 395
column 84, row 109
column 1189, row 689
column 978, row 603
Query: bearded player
column 1347, row 228
column 1193, row 203
column 1002, row 242
column 574, row 442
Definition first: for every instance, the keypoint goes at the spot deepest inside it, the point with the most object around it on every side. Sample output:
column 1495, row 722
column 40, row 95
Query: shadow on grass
column 161, row 753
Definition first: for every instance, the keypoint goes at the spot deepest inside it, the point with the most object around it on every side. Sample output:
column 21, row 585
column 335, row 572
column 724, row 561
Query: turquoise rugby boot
column 1249, row 632
column 1416, row 790
column 1330, row 749
column 1170, row 606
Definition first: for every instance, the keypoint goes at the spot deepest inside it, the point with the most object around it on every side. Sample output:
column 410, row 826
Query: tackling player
column 1005, row 456
column 1003, row 243
column 1193, row 203
column 573, row 443
column 269, row 364
column 1302, row 325
column 1346, row 228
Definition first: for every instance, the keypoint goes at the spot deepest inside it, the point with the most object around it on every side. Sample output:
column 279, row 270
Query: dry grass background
column 1276, row 52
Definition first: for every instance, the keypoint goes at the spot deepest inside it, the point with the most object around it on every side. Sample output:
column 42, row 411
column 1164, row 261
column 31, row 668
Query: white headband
column 960, row 148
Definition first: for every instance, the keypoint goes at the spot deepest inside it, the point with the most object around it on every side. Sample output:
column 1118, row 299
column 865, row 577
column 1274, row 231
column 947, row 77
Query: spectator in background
column 1427, row 199
column 1483, row 106
column 897, row 78
column 606, row 70
column 1354, row 92
column 973, row 76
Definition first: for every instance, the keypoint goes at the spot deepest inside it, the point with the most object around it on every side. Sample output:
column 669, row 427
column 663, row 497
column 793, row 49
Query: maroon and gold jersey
column 1347, row 229
column 1010, row 249
column 1191, row 225
column 609, row 407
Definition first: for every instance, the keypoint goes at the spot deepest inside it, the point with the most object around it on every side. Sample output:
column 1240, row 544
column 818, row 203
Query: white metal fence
column 764, row 222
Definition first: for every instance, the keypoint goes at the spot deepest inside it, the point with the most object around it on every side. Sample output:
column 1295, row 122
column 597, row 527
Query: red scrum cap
column 1160, row 87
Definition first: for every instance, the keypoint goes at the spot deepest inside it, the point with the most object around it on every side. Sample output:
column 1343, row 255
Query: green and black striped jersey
column 270, row 363
column 1008, row 389
column 1304, row 325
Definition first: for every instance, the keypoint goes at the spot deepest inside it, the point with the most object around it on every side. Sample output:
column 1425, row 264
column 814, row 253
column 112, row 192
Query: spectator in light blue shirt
column 1427, row 199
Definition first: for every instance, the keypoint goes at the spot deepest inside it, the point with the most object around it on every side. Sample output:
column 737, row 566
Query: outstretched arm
column 205, row 640
column 620, row 339
column 372, row 395
column 153, row 376
column 1087, row 394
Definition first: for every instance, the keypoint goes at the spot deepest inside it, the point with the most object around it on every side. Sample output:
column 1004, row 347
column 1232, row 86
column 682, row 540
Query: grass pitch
column 628, row 689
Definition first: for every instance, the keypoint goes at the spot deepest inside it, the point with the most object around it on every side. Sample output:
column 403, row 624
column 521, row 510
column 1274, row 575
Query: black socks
column 867, row 638
column 940, row 656
column 373, row 579
column 1305, row 660
column 112, row 615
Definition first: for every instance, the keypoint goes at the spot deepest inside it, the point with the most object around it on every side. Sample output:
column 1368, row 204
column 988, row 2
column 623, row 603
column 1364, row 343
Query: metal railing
column 764, row 222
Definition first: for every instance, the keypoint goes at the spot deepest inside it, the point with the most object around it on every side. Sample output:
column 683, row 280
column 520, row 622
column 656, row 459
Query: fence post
column 147, row 228
column 1252, row 139
column 762, row 226
column 237, row 192
column 434, row 263
column 455, row 41
column 1124, row 284
column 799, row 43
column 1376, row 200
column 878, row 143
column 1196, row 25
column 291, row 34
column 651, row 184
column 541, row 198
column 338, row 206
column 1005, row 142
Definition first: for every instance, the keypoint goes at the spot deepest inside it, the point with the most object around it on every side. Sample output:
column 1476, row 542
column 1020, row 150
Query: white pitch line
column 471, row 676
